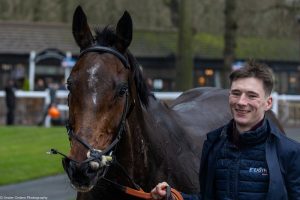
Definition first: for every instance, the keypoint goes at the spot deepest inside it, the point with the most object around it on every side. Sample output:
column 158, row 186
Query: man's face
column 248, row 102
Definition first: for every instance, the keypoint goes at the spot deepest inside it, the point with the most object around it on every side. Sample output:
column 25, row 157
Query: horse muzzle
column 84, row 175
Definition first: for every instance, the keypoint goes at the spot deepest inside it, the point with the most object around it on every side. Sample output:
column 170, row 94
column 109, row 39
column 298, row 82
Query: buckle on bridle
column 96, row 155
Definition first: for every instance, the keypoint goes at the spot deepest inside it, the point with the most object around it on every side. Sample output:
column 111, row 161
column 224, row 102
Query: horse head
column 99, row 99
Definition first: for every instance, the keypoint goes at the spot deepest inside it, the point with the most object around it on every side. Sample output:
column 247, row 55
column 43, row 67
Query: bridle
column 106, row 154
column 105, row 157
column 102, row 49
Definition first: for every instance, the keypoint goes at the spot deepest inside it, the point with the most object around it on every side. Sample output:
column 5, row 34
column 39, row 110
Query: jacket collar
column 274, row 129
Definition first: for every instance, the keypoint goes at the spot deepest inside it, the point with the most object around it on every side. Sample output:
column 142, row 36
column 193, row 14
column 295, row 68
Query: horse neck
column 135, row 152
column 146, row 143
column 152, row 132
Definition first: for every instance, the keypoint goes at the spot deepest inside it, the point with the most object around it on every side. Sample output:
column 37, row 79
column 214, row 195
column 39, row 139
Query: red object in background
column 53, row 112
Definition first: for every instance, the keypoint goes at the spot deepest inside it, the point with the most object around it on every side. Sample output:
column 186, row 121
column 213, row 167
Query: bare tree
column 184, row 60
column 173, row 6
column 37, row 15
column 64, row 10
column 229, row 39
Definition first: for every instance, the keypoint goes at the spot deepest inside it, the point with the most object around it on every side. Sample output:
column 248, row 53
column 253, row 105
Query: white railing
column 64, row 94
column 282, row 104
column 284, row 98
column 160, row 95
column 287, row 108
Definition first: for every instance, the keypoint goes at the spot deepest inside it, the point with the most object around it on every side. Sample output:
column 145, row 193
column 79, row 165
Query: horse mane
column 107, row 37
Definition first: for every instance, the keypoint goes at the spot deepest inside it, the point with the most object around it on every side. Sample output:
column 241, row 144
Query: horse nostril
column 94, row 165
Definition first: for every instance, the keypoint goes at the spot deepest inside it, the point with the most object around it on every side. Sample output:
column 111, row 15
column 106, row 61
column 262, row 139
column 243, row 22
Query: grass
column 23, row 152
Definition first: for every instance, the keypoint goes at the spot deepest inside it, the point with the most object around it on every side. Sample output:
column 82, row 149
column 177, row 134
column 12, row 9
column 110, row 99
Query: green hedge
column 147, row 43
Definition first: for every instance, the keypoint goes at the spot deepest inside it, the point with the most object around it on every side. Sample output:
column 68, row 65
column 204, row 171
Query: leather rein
column 107, row 153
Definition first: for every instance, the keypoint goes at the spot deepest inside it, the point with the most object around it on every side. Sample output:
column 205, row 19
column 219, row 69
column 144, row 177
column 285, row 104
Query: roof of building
column 23, row 37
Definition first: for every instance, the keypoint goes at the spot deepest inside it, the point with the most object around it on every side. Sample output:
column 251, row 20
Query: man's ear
column 269, row 103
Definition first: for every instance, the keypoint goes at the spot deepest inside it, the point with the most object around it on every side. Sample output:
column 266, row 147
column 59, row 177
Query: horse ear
column 124, row 32
column 81, row 30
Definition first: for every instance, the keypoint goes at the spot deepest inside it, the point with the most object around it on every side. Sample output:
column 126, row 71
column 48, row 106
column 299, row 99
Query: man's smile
column 242, row 111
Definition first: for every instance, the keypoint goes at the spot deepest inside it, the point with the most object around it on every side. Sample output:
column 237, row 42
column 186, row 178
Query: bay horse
column 120, row 134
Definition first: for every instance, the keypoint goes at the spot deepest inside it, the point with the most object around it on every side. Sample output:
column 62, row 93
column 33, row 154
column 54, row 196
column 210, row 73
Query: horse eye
column 68, row 84
column 123, row 90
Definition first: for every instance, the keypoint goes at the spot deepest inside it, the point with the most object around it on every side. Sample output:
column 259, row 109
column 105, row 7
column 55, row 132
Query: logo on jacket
column 260, row 170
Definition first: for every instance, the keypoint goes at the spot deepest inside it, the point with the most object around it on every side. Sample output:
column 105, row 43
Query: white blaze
column 92, row 81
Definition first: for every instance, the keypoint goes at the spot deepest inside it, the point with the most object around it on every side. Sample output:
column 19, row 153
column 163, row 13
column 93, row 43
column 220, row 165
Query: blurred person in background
column 62, row 85
column 10, row 100
column 40, row 85
column 52, row 87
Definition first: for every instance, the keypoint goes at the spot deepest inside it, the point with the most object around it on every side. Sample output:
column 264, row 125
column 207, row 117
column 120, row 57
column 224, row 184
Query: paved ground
column 49, row 188
column 58, row 187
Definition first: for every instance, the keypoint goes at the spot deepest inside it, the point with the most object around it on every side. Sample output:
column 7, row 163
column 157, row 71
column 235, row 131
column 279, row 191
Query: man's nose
column 243, row 100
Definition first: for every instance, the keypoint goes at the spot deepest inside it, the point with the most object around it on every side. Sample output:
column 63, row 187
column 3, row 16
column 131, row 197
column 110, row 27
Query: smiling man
column 248, row 101
column 248, row 158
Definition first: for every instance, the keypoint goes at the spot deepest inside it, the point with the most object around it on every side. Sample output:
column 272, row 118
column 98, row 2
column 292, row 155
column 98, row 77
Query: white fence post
column 31, row 70
column 275, row 103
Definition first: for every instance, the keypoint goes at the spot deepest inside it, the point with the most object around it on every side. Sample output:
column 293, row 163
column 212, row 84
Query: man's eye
column 252, row 96
column 235, row 93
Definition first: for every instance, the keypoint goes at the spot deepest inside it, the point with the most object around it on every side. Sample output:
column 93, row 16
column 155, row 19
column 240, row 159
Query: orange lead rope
column 176, row 195
column 145, row 195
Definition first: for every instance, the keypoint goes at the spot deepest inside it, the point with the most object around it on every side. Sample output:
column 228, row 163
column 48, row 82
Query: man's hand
column 159, row 192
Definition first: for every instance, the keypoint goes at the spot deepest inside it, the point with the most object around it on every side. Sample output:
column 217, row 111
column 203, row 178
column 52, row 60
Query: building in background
column 155, row 51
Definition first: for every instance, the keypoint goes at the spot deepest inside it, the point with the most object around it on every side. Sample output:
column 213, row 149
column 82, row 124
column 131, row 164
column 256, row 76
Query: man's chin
column 241, row 122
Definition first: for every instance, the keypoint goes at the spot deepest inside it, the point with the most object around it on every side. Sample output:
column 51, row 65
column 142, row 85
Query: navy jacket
column 283, row 160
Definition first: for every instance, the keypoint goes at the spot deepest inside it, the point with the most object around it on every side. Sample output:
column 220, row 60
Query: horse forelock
column 105, row 37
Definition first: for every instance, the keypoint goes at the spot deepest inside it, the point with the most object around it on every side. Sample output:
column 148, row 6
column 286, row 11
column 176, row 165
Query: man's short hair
column 256, row 70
